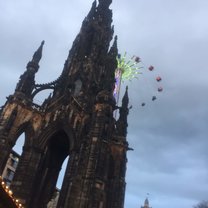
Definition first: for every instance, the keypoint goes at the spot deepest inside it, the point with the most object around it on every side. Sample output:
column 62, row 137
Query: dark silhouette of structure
column 76, row 121
column 10, row 168
column 146, row 204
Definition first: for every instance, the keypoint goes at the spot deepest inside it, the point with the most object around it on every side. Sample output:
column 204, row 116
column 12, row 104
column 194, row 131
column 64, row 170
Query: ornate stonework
column 76, row 121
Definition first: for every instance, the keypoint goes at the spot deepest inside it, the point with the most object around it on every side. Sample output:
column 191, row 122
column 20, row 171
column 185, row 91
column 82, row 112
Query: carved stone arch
column 52, row 129
column 41, row 88
column 13, row 136
column 57, row 142
column 26, row 128
column 25, row 168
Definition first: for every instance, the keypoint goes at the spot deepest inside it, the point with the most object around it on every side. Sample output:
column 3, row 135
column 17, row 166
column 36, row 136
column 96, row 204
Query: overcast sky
column 169, row 135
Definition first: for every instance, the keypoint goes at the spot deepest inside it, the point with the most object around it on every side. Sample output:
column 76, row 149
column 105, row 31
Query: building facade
column 76, row 120
column 54, row 200
column 10, row 168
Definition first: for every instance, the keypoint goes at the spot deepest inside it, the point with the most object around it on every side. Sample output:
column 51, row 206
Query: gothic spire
column 123, row 111
column 125, row 100
column 34, row 64
column 38, row 54
column 92, row 10
column 146, row 204
column 91, row 57
column 114, row 50
column 111, row 64
column 26, row 83
column 105, row 3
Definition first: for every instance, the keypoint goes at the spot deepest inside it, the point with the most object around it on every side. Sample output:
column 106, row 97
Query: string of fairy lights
column 10, row 193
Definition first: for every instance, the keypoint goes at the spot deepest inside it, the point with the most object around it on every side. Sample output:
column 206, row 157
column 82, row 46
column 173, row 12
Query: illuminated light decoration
column 10, row 192
column 5, row 188
column 126, row 70
column 129, row 69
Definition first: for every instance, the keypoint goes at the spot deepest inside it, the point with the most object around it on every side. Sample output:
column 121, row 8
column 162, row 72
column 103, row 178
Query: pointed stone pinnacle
column 38, row 54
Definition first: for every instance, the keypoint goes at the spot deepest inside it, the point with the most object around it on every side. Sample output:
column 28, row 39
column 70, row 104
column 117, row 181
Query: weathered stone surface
column 76, row 121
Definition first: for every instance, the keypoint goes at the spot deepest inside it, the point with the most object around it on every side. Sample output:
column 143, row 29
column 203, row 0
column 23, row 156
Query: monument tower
column 76, row 120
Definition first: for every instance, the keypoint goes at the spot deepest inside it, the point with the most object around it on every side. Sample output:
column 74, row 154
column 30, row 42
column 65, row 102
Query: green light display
column 128, row 67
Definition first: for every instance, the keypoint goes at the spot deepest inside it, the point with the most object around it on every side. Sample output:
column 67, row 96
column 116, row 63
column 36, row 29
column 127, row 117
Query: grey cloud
column 169, row 135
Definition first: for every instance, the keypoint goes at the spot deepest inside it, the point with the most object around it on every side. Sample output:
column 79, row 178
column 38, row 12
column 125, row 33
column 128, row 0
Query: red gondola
column 158, row 78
